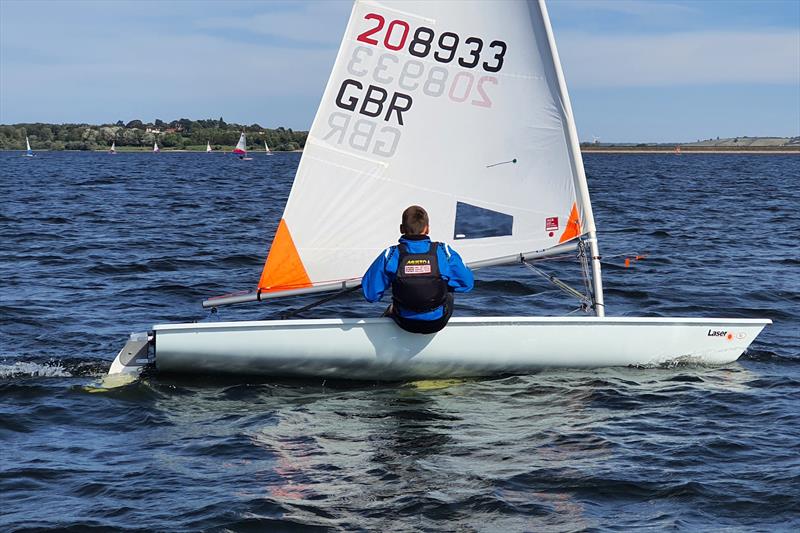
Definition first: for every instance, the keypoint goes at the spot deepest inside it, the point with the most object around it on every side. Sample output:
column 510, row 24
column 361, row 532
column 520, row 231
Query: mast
column 577, row 160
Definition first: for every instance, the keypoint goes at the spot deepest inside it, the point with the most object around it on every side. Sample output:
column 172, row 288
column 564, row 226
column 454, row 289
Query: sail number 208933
column 423, row 41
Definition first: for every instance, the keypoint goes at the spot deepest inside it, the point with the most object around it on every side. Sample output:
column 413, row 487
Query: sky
column 637, row 70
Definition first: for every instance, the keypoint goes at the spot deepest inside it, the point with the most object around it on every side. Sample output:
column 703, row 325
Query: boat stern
column 134, row 356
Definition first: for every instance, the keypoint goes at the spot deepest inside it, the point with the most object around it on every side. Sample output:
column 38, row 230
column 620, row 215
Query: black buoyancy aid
column 418, row 285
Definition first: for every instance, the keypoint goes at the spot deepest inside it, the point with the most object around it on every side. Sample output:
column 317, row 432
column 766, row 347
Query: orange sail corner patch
column 283, row 269
column 573, row 228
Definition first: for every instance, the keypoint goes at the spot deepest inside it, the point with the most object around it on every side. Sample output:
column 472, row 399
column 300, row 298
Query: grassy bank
column 665, row 149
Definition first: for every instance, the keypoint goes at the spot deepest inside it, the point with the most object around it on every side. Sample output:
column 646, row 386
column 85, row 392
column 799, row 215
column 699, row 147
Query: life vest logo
column 417, row 266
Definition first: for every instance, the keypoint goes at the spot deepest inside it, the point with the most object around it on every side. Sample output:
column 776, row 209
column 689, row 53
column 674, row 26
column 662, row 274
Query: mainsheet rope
column 586, row 298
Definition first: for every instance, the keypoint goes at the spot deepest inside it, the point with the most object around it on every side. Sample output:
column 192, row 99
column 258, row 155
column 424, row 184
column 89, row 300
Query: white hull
column 376, row 349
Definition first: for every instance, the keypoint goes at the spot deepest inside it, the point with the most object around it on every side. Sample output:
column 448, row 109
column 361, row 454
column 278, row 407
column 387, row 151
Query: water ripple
column 122, row 242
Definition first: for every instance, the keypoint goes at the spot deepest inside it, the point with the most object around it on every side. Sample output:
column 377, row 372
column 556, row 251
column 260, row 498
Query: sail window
column 473, row 222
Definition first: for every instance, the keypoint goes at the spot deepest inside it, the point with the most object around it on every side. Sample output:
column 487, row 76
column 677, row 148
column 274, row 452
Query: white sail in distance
column 155, row 147
column 241, row 146
column 458, row 107
column 208, row 146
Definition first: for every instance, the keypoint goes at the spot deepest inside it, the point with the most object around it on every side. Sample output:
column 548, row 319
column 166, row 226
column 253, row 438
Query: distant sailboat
column 113, row 148
column 677, row 150
column 208, row 146
column 155, row 147
column 241, row 148
column 29, row 152
column 269, row 152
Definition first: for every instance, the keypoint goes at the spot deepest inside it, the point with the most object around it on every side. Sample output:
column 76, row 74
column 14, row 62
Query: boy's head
column 415, row 221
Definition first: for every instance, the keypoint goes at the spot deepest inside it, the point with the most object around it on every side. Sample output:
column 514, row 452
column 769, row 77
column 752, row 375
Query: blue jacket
column 383, row 270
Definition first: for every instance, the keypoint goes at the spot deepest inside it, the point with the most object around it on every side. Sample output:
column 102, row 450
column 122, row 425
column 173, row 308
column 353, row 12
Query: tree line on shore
column 183, row 134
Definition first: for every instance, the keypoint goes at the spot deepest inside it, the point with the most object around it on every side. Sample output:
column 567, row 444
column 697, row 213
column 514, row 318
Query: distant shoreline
column 782, row 151
column 584, row 150
column 194, row 135
column 183, row 134
column 160, row 151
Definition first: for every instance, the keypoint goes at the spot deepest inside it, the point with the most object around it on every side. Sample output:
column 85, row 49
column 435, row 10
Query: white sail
column 241, row 146
column 155, row 147
column 458, row 107
column 208, row 146
column 28, row 145
column 113, row 146
column 266, row 148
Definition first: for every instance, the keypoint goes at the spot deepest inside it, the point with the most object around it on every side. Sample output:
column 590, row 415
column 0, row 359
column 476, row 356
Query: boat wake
column 51, row 367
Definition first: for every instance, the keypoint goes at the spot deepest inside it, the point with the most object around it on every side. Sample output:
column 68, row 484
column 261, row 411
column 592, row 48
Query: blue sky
column 637, row 70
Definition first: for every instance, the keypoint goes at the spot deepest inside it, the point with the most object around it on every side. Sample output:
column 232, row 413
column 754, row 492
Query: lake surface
column 95, row 246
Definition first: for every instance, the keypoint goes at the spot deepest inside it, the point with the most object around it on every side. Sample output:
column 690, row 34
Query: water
column 96, row 246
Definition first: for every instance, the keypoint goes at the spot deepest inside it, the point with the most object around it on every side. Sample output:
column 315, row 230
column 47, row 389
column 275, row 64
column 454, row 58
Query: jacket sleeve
column 377, row 278
column 459, row 276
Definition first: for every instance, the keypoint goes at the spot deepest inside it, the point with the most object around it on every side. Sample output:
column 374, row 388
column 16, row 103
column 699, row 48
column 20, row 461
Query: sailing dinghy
column 208, row 146
column 156, row 149
column 241, row 148
column 113, row 149
column 266, row 149
column 28, row 151
column 461, row 108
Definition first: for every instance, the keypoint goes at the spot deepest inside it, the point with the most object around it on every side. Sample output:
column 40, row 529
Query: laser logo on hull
column 720, row 333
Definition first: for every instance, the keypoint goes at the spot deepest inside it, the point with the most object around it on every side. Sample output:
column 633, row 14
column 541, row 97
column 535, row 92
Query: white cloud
column 629, row 7
column 169, row 77
column 696, row 58
column 313, row 23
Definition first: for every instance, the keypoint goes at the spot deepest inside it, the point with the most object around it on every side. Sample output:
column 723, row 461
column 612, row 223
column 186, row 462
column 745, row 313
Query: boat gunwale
column 467, row 321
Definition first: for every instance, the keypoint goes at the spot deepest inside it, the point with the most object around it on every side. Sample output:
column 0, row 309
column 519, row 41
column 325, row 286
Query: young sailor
column 422, row 275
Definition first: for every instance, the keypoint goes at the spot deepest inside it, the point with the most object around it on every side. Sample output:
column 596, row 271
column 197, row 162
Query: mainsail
column 208, row 146
column 28, row 150
column 113, row 147
column 241, row 146
column 266, row 148
column 155, row 147
column 458, row 107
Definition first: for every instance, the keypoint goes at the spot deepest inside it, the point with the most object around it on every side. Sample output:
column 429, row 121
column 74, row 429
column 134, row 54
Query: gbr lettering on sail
column 390, row 62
